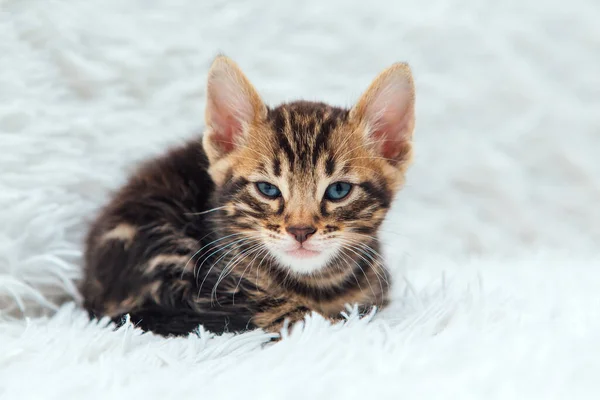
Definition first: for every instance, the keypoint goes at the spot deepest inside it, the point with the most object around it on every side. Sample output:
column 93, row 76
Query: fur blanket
column 493, row 244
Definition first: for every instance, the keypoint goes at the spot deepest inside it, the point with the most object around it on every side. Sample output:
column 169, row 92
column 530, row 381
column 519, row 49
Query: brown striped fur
column 191, row 240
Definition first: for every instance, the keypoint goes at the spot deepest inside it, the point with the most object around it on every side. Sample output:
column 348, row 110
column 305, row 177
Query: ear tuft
column 387, row 112
column 232, row 105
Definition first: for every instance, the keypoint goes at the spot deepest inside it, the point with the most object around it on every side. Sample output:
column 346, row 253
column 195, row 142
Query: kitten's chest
column 326, row 300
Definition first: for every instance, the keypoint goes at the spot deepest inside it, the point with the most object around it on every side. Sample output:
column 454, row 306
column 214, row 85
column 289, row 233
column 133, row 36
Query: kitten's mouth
column 302, row 252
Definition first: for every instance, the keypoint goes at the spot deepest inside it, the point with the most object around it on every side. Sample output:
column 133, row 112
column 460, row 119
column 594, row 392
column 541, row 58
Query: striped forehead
column 302, row 135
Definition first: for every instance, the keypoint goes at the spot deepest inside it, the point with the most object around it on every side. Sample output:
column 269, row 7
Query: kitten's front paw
column 294, row 319
column 287, row 320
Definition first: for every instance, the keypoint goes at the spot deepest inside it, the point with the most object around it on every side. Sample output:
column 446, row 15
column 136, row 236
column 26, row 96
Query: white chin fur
column 304, row 266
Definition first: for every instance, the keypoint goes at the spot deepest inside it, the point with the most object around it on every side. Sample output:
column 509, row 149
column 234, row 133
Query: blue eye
column 338, row 190
column 271, row 191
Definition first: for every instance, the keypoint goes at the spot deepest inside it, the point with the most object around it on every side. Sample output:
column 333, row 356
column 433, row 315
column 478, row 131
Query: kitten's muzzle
column 301, row 233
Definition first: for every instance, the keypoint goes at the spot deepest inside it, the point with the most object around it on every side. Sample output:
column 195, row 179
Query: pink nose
column 300, row 233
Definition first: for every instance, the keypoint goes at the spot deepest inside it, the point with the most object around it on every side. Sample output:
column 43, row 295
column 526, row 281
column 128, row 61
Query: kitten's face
column 305, row 182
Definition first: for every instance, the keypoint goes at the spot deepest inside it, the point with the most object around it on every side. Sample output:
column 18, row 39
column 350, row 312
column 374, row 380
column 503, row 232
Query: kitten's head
column 305, row 182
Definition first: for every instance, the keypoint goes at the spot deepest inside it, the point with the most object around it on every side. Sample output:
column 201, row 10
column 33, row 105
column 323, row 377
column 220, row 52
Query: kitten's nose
column 301, row 233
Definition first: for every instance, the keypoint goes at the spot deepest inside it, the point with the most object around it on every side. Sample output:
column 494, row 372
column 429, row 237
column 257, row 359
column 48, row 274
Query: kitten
column 271, row 215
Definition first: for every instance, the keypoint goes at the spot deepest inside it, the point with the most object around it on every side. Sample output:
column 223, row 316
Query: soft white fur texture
column 493, row 244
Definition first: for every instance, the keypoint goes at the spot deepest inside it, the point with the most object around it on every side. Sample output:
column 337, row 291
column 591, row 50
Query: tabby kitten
column 271, row 215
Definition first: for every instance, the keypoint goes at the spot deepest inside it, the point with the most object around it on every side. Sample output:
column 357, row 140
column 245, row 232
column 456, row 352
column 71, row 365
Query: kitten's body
column 191, row 240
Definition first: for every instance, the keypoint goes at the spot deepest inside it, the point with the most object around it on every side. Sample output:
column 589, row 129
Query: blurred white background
column 508, row 99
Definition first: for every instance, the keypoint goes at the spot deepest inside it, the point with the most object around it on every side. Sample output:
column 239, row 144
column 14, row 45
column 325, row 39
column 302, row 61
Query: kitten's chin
column 303, row 261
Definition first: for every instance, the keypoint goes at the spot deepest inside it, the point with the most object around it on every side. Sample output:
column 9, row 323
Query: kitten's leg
column 127, row 266
column 151, row 277
column 272, row 318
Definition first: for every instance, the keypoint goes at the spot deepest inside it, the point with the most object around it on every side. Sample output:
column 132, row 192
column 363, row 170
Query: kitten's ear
column 387, row 112
column 232, row 105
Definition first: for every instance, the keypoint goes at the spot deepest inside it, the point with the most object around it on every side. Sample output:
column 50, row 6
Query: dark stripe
column 278, row 124
column 383, row 196
column 252, row 214
column 277, row 166
column 329, row 166
column 364, row 229
column 261, row 168
column 232, row 188
column 182, row 251
column 346, row 214
column 287, row 148
column 324, row 208
column 167, row 271
column 321, row 140
column 253, row 203
column 280, row 207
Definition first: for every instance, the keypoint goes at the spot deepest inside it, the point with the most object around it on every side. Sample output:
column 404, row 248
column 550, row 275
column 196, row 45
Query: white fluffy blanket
column 493, row 243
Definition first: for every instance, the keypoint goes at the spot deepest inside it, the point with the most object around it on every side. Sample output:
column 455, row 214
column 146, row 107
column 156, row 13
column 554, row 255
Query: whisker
column 375, row 263
column 228, row 268
column 216, row 248
column 231, row 264
column 379, row 269
column 370, row 264
column 243, row 240
column 207, row 211
column 339, row 267
column 202, row 248
column 261, row 251
column 363, row 272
